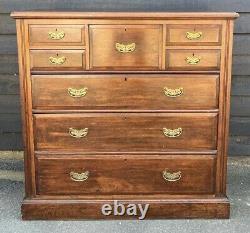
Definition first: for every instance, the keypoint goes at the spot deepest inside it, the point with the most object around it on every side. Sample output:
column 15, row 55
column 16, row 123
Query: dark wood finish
column 125, row 175
column 73, row 35
column 8, row 41
column 126, row 131
column 176, row 59
column 74, row 59
column 129, row 92
column 91, row 209
column 177, row 34
column 105, row 56
column 123, row 15
column 128, row 142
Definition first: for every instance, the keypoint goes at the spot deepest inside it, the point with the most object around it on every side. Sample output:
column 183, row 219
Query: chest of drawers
column 132, row 107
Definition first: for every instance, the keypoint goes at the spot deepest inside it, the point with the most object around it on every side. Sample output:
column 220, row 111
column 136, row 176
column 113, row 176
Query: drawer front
column 125, row 131
column 193, row 59
column 194, row 34
column 119, row 47
column 56, row 35
column 57, row 59
column 125, row 175
column 117, row 92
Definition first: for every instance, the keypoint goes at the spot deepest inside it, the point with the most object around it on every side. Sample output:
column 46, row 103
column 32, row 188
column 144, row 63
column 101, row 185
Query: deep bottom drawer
column 157, row 174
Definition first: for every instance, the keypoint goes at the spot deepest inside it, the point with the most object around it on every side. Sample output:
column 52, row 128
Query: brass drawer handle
column 171, row 177
column 172, row 133
column 79, row 177
column 173, row 92
column 57, row 35
column 125, row 48
column 193, row 60
column 76, row 93
column 78, row 133
column 57, row 60
column 193, row 35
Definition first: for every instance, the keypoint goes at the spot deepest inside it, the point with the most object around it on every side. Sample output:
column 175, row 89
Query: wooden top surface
column 119, row 15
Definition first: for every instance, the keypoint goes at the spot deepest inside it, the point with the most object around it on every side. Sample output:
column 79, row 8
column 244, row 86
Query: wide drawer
column 125, row 174
column 119, row 47
column 192, row 59
column 193, row 34
column 56, row 35
column 57, row 59
column 125, row 131
column 116, row 92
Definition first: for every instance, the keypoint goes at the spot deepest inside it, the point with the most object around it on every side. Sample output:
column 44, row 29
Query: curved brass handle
column 79, row 177
column 193, row 60
column 76, row 93
column 125, row 48
column 172, row 133
column 57, row 60
column 171, row 177
column 173, row 92
column 57, row 35
column 193, row 35
column 78, row 133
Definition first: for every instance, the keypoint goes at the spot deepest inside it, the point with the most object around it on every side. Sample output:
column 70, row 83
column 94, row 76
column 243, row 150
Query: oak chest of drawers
column 131, row 107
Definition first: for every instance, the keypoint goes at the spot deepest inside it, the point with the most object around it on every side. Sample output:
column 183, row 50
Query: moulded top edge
column 120, row 15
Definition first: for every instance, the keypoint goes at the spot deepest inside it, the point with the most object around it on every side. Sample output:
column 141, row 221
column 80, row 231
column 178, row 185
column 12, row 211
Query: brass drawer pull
column 171, row 177
column 76, row 93
column 78, row 133
column 79, row 177
column 193, row 60
column 57, row 35
column 193, row 35
column 172, row 133
column 125, row 48
column 57, row 60
column 173, row 92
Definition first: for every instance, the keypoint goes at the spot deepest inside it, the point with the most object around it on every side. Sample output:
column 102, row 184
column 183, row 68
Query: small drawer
column 125, row 92
column 173, row 174
column 56, row 35
column 57, row 59
column 192, row 59
column 123, row 47
column 125, row 132
column 193, row 34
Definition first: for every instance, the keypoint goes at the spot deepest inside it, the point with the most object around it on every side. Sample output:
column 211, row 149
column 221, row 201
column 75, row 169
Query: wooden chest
column 132, row 107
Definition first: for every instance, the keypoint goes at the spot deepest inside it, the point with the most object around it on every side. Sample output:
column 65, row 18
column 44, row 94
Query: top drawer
column 193, row 34
column 56, row 35
column 125, row 47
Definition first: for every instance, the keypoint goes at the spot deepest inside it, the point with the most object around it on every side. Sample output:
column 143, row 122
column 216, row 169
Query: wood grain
column 73, row 35
column 125, row 92
column 177, row 34
column 177, row 59
column 126, row 131
column 104, row 55
column 89, row 209
column 142, row 136
column 125, row 175
column 74, row 59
